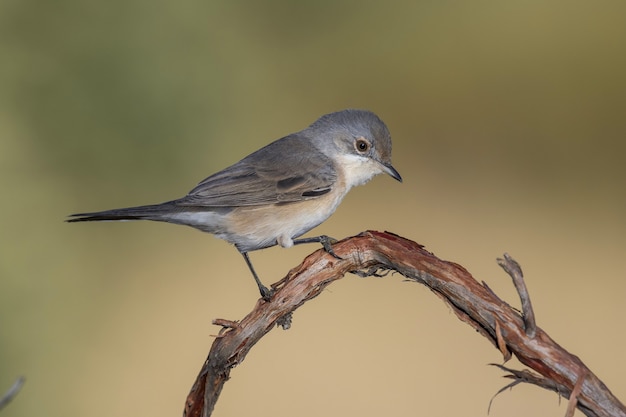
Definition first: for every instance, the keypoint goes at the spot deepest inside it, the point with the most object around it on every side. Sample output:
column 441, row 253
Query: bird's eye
column 361, row 145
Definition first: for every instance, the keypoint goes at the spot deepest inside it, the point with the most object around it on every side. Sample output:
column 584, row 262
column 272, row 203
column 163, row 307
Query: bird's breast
column 257, row 227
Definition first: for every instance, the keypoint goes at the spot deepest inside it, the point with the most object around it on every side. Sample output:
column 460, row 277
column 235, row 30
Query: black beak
column 392, row 172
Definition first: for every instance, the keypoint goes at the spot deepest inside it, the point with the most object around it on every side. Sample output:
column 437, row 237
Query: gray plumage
column 281, row 191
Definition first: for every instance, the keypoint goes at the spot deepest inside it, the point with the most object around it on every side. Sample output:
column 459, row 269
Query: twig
column 573, row 398
column 525, row 376
column 515, row 271
column 472, row 302
column 11, row 392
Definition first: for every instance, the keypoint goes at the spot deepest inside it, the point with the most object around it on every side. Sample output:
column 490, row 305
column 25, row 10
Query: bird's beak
column 391, row 171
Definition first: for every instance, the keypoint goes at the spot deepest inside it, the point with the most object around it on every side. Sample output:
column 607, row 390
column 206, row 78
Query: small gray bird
column 283, row 190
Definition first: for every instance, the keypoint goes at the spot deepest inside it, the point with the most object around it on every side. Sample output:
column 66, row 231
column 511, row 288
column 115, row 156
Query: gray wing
column 287, row 170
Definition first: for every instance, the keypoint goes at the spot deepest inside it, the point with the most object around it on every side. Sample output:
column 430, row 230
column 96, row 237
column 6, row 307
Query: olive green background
column 509, row 128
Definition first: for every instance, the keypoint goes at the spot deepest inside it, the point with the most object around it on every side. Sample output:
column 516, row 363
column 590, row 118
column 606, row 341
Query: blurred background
column 509, row 128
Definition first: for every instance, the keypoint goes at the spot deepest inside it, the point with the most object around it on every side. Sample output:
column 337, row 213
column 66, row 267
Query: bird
column 281, row 191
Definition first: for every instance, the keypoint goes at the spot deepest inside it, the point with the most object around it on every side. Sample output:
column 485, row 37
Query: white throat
column 357, row 169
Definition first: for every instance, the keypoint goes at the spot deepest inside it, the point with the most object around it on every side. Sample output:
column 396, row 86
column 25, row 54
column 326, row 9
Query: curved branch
column 371, row 253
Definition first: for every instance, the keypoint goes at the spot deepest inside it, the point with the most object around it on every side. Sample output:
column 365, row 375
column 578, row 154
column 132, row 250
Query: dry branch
column 372, row 253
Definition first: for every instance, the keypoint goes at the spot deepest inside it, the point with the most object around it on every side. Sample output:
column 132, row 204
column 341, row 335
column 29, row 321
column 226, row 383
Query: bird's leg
column 266, row 293
column 326, row 242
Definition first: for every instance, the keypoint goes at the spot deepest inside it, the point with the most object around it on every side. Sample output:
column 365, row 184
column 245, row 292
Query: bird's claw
column 266, row 293
column 327, row 243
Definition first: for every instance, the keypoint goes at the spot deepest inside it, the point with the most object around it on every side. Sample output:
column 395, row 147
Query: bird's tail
column 156, row 212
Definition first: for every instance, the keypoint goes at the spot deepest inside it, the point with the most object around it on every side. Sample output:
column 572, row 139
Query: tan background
column 509, row 127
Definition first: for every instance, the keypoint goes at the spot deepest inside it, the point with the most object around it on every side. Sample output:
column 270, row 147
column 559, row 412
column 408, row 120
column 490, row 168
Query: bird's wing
column 287, row 170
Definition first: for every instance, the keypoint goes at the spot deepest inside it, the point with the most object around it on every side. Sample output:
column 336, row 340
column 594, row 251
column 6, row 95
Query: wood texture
column 375, row 253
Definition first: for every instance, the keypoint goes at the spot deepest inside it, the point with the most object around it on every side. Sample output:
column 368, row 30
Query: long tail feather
column 151, row 212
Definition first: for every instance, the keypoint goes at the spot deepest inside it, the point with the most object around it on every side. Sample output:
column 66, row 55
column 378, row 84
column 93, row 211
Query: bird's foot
column 326, row 242
column 266, row 293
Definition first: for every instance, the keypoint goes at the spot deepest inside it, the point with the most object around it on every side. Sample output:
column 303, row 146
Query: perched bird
column 283, row 190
